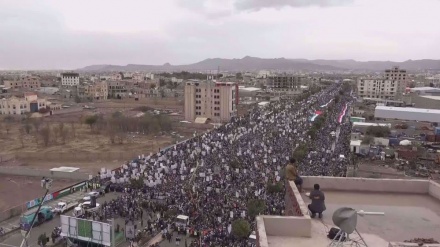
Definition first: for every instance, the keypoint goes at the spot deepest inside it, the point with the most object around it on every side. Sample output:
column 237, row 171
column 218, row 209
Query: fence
column 23, row 171
column 78, row 156
column 7, row 157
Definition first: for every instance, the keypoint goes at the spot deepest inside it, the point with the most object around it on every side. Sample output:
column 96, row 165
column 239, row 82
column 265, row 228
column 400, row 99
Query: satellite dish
column 346, row 219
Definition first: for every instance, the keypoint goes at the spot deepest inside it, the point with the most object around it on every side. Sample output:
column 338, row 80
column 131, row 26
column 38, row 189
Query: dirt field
column 15, row 190
column 87, row 149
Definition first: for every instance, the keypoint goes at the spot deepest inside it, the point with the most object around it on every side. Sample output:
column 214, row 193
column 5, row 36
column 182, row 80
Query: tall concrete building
column 209, row 99
column 398, row 75
column 283, row 82
column 69, row 79
column 391, row 86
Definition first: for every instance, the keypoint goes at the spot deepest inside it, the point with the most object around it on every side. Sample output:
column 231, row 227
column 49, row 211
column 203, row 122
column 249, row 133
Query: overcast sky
column 69, row 34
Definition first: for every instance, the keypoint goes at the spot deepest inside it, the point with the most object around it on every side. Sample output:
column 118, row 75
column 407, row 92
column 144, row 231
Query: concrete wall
column 261, row 233
column 402, row 244
column 369, row 184
column 434, row 190
column 287, row 226
column 23, row 171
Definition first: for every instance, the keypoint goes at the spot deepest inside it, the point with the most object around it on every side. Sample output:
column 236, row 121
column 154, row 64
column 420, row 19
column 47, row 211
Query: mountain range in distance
column 283, row 64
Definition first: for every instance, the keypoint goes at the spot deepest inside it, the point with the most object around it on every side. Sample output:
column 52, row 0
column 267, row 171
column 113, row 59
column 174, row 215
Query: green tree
column 368, row 140
column 275, row 188
column 255, row 207
column 91, row 120
column 378, row 131
column 241, row 228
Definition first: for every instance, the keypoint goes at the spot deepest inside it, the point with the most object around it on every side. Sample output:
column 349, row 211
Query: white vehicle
column 78, row 212
column 182, row 221
column 62, row 207
column 87, row 206
column 94, row 193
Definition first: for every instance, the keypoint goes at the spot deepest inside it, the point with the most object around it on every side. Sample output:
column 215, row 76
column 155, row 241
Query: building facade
column 391, row 86
column 400, row 77
column 377, row 88
column 69, row 79
column 20, row 106
column 27, row 82
column 283, row 82
column 209, row 99
column 96, row 91
column 117, row 89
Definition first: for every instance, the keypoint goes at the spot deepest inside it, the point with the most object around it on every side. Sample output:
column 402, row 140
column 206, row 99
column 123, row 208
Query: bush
column 241, row 228
column 255, row 207
column 378, row 131
column 275, row 188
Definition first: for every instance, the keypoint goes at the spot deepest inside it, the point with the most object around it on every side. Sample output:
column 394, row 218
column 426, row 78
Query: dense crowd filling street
column 212, row 177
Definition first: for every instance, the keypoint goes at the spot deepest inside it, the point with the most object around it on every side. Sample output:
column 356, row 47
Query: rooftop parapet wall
column 434, row 190
column 408, row 186
column 401, row 244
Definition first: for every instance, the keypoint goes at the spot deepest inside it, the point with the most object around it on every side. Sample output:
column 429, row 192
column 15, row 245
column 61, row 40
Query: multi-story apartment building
column 283, row 82
column 116, row 89
column 391, row 86
column 398, row 75
column 20, row 106
column 69, row 79
column 377, row 88
column 96, row 91
column 26, row 82
column 209, row 99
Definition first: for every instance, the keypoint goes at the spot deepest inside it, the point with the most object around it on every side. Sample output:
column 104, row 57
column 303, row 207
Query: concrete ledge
column 288, row 226
column 402, row 244
column 411, row 186
column 301, row 203
column 261, row 233
column 434, row 190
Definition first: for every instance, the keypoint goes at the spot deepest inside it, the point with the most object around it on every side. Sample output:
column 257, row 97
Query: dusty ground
column 88, row 150
column 15, row 190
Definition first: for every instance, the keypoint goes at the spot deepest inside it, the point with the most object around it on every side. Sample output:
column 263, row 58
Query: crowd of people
column 212, row 177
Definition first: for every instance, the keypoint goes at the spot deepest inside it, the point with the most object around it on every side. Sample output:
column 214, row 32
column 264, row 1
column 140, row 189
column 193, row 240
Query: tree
column 378, row 131
column 21, row 136
column 255, row 207
column 36, row 123
column 91, row 121
column 241, row 228
column 162, row 82
column 45, row 134
column 275, row 188
column 368, row 140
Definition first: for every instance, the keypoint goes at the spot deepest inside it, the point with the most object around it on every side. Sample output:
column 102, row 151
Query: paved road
column 14, row 221
column 16, row 238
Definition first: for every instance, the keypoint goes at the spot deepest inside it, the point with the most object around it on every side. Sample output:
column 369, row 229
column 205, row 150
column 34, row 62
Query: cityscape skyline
column 75, row 34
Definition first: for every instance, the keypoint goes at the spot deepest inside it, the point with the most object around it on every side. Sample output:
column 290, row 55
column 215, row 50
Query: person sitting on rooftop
column 318, row 205
column 292, row 174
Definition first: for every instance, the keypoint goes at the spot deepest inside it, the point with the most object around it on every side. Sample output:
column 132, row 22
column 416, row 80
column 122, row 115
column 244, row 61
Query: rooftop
column 408, row 109
column 411, row 207
column 371, row 124
column 431, row 97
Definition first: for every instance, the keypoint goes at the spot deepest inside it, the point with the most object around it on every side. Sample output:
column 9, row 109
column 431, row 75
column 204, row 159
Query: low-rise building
column 19, row 106
column 69, row 79
column 283, row 82
column 26, row 82
column 96, row 91
column 117, row 89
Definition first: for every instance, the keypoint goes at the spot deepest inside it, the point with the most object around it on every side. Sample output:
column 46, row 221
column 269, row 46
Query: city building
column 117, row 89
column 117, row 76
column 19, row 106
column 26, row 82
column 210, row 100
column 69, row 79
column 283, row 82
column 377, row 88
column 407, row 113
column 392, row 197
column 96, row 91
column 391, row 86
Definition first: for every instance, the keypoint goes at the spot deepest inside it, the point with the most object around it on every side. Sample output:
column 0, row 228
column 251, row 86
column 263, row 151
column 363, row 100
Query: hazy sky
column 68, row 34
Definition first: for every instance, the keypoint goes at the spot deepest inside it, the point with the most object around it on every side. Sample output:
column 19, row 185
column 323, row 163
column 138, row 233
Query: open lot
column 14, row 190
column 77, row 144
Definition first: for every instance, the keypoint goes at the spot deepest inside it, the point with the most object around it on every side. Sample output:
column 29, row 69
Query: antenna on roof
column 346, row 219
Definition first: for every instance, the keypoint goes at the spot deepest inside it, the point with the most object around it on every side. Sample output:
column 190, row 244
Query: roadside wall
column 24, row 171
column 411, row 186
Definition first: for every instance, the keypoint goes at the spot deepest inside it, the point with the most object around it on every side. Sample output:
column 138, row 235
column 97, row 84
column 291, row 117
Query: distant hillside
column 254, row 64
column 244, row 64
